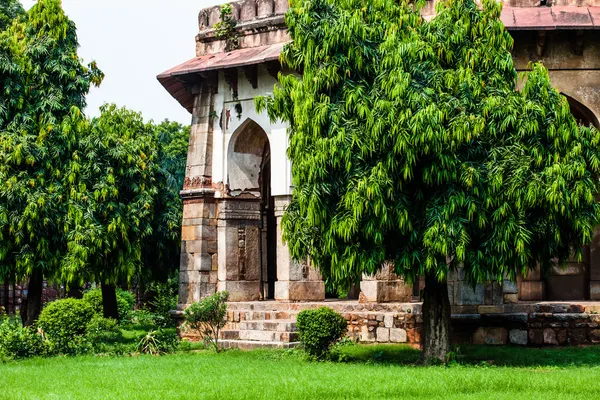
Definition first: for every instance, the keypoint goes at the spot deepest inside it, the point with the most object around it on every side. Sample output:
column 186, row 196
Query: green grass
column 372, row 372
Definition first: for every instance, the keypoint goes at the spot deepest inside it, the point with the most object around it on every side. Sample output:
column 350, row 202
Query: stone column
column 239, row 242
column 198, row 265
column 531, row 286
column 295, row 281
column 595, row 266
column 385, row 287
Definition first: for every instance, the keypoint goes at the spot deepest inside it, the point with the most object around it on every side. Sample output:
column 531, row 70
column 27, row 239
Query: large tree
column 161, row 250
column 410, row 143
column 114, row 185
column 43, row 85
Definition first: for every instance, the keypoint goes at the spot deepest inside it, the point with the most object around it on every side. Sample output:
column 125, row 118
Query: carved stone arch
column 247, row 154
column 581, row 112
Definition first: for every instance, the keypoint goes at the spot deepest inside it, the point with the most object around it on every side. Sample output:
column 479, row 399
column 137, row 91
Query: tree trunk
column 75, row 291
column 34, row 297
column 109, row 301
column 436, row 320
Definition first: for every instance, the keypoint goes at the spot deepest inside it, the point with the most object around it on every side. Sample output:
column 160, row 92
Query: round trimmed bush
column 319, row 329
column 64, row 322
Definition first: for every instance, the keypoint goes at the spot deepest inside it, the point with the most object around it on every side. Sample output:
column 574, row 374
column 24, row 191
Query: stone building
column 238, row 184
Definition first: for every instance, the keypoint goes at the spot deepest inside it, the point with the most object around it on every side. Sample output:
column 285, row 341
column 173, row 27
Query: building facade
column 238, row 178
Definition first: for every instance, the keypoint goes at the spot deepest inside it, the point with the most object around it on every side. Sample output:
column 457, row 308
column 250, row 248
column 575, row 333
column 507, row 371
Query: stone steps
column 256, row 333
column 254, row 344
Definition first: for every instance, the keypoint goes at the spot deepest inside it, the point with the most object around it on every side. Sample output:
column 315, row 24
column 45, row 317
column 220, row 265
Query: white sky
column 133, row 41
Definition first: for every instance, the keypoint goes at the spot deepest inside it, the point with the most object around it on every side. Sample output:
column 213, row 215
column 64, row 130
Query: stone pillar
column 385, row 287
column 198, row 265
column 239, row 232
column 531, row 286
column 595, row 266
column 295, row 281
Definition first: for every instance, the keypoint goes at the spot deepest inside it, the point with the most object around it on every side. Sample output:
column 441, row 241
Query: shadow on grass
column 477, row 355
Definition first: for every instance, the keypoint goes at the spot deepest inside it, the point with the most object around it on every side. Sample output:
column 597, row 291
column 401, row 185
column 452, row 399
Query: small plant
column 157, row 342
column 208, row 317
column 225, row 28
column 101, row 330
column 17, row 341
column 319, row 330
column 165, row 300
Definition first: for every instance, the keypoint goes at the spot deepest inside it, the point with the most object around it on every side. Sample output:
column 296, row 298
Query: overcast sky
column 133, row 41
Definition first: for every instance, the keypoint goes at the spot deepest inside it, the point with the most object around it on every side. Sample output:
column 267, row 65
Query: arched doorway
column 573, row 282
column 249, row 181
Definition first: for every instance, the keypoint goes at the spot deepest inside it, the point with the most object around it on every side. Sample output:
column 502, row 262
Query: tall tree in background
column 10, row 10
column 43, row 85
column 114, row 186
column 410, row 143
column 161, row 250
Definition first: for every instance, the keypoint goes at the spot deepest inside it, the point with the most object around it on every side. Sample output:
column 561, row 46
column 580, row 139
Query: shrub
column 125, row 302
column 101, row 329
column 319, row 329
column 165, row 300
column 159, row 342
column 17, row 341
column 64, row 322
column 208, row 317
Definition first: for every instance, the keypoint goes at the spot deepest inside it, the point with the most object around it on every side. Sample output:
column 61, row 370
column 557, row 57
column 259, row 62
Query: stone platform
column 273, row 324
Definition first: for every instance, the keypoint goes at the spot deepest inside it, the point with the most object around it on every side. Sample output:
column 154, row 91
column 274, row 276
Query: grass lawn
column 372, row 372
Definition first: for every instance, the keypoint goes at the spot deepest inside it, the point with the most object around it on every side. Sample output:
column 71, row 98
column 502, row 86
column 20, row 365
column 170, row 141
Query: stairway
column 260, row 325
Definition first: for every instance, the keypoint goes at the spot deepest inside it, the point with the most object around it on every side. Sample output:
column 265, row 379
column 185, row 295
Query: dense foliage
column 43, row 85
column 125, row 302
column 320, row 329
column 207, row 317
column 10, row 10
column 410, row 143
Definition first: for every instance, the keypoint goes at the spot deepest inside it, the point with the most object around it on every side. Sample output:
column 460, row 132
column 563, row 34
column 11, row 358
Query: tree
column 10, row 10
column 43, row 92
column 161, row 250
column 410, row 143
column 113, row 189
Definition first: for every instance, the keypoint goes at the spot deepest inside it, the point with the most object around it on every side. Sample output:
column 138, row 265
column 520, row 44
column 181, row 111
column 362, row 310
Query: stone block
column 532, row 291
column 510, row 287
column 536, row 336
column 281, row 6
column 490, row 309
column 398, row 335
column 240, row 290
column 569, row 269
column 577, row 336
column 533, row 275
column 595, row 336
column 299, row 291
column 213, row 15
column 595, row 290
column 385, row 291
column 550, row 336
column 518, row 336
column 366, row 335
column 202, row 262
column 248, row 10
column 383, row 335
column 264, row 8
column 490, row 336
column 565, row 288
column 465, row 295
column 388, row 320
column 511, row 298
column 252, row 253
